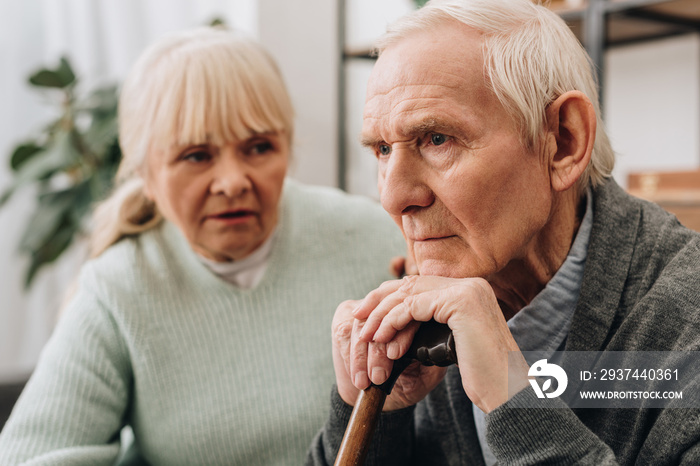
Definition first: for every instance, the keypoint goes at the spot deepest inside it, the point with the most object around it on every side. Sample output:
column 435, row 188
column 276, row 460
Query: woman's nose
column 402, row 185
column 231, row 177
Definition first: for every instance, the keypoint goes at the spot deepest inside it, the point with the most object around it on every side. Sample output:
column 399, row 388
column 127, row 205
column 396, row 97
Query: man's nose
column 231, row 177
column 402, row 183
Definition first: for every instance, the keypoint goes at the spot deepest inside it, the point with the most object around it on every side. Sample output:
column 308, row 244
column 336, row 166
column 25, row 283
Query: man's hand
column 350, row 357
column 386, row 322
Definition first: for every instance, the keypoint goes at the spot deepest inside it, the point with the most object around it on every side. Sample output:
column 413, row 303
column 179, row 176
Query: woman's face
column 223, row 198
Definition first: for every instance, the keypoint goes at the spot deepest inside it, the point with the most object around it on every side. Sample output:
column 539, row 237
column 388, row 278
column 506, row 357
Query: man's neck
column 523, row 278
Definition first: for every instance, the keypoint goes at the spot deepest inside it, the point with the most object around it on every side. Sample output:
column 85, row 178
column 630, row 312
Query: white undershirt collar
column 245, row 273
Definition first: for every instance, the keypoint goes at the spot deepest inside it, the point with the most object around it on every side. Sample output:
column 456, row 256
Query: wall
column 303, row 38
column 652, row 105
column 366, row 21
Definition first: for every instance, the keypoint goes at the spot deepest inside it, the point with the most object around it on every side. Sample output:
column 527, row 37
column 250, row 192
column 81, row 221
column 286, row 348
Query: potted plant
column 71, row 161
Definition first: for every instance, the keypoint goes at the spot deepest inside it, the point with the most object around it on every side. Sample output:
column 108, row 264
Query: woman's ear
column 143, row 172
column 147, row 191
column 571, row 123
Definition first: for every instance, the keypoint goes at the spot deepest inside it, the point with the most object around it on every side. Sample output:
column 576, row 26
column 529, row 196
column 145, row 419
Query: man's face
column 453, row 173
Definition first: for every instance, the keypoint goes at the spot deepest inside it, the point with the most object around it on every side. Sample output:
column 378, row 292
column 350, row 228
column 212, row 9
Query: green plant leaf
column 50, row 250
column 218, row 22
column 54, row 224
column 82, row 145
column 52, row 209
column 28, row 172
column 83, row 200
column 23, row 153
column 49, row 214
column 101, row 106
column 103, row 181
column 60, row 77
column 100, row 135
column 6, row 195
column 59, row 156
column 113, row 155
column 103, row 101
column 46, row 78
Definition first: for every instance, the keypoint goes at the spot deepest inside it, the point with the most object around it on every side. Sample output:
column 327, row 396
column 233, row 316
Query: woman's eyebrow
column 265, row 132
column 186, row 146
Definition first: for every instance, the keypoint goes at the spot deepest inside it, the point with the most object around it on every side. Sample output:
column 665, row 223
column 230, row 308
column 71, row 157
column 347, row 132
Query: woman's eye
column 262, row 147
column 384, row 149
column 438, row 139
column 197, row 156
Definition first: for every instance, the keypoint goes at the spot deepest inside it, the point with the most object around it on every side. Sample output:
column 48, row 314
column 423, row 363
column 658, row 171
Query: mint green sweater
column 204, row 372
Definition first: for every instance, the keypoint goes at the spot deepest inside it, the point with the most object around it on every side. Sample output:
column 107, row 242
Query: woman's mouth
column 233, row 216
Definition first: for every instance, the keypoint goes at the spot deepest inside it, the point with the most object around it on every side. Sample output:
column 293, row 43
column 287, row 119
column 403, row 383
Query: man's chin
column 439, row 268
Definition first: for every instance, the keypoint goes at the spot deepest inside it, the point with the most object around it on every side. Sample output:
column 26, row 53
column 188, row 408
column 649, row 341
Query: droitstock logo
column 543, row 369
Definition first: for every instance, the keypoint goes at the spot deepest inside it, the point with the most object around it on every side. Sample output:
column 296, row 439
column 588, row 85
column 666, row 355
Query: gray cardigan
column 640, row 292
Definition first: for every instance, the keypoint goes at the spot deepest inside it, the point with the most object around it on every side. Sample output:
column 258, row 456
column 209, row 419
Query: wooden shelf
column 630, row 21
column 625, row 21
column 677, row 192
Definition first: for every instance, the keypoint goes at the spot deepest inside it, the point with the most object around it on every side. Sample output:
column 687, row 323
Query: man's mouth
column 432, row 238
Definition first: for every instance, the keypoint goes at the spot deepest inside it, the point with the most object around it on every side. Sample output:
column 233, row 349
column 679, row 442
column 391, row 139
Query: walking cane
column 433, row 345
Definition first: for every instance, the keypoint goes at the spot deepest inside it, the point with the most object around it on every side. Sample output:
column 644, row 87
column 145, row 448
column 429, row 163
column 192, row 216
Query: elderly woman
column 202, row 320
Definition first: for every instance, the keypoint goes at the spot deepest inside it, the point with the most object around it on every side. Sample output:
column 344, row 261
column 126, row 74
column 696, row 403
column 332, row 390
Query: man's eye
column 384, row 149
column 438, row 139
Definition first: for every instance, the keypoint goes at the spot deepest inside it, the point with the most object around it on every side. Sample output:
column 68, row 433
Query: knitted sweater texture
column 204, row 372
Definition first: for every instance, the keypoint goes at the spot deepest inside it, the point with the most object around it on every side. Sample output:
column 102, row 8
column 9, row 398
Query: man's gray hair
column 531, row 57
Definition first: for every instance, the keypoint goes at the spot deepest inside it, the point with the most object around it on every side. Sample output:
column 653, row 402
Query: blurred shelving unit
column 599, row 25
column 677, row 192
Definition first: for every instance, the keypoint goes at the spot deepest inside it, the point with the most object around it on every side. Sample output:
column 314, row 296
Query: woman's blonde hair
column 531, row 57
column 206, row 85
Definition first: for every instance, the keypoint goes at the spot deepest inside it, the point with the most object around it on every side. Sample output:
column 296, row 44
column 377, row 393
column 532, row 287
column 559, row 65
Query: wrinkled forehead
column 427, row 77
column 454, row 50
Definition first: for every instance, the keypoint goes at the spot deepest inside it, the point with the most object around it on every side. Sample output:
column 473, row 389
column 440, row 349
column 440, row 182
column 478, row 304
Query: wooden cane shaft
column 358, row 434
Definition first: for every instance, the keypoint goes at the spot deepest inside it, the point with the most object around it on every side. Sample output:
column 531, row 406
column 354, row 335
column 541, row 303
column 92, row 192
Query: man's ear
column 571, row 123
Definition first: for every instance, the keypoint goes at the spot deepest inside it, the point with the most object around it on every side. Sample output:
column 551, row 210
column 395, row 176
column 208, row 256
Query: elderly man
column 494, row 162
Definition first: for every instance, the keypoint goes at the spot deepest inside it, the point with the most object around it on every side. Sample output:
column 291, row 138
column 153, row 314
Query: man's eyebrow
column 413, row 130
column 369, row 141
column 430, row 125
